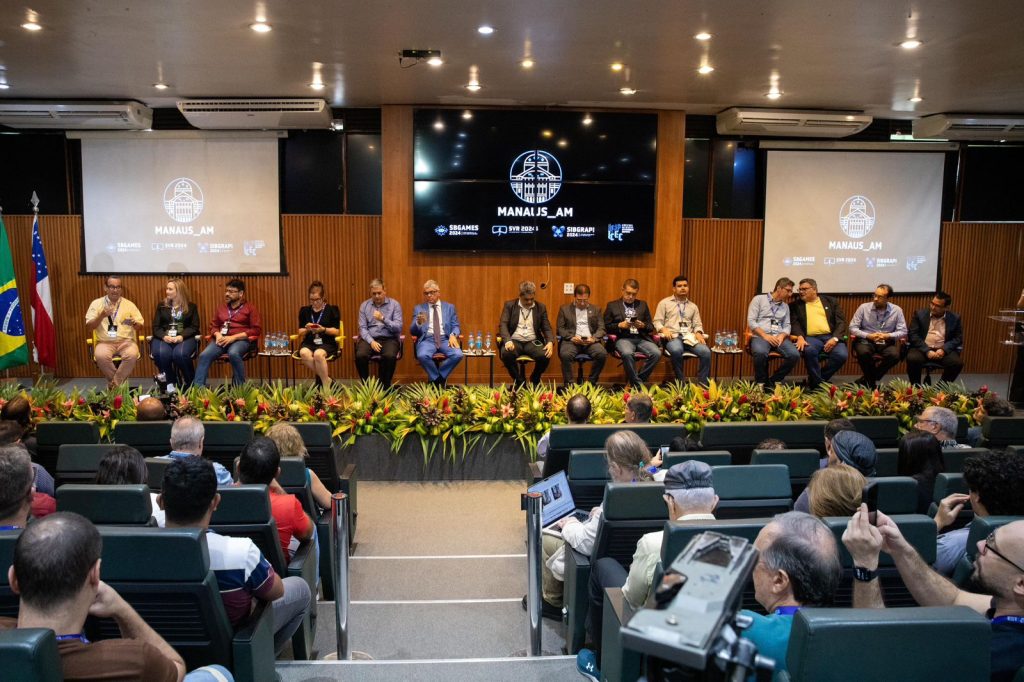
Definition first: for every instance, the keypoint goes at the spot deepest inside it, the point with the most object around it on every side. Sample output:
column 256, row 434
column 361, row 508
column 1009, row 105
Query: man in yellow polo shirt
column 114, row 322
column 819, row 326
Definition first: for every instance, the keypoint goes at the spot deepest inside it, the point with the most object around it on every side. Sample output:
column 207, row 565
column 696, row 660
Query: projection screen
column 852, row 220
column 196, row 204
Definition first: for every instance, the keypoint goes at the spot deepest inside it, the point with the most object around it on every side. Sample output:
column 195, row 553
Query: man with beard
column 998, row 578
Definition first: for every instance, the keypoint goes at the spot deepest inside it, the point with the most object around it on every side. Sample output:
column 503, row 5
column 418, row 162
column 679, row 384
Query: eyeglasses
column 989, row 547
column 114, row 286
column 919, row 420
column 431, row 292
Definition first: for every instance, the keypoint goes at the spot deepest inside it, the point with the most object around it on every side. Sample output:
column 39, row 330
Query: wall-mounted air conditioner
column 76, row 115
column 970, row 127
column 256, row 114
column 790, row 122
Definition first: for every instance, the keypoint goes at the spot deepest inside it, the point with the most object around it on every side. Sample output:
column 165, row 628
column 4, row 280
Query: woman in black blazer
column 175, row 326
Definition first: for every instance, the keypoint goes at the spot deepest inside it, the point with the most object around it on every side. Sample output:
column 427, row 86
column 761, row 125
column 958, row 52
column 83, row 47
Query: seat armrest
column 253, row 646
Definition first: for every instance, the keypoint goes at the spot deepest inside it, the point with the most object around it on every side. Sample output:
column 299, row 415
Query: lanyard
column 1016, row 620
column 176, row 312
column 786, row 610
column 81, row 638
column 881, row 318
column 773, row 309
column 682, row 312
column 233, row 312
column 112, row 319
column 525, row 313
column 318, row 317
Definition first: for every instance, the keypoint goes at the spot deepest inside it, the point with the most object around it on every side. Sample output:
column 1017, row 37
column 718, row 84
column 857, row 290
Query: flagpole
column 7, row 371
column 35, row 218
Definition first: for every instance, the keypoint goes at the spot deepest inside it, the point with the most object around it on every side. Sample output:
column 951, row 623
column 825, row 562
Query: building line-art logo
column 857, row 216
column 535, row 176
column 183, row 200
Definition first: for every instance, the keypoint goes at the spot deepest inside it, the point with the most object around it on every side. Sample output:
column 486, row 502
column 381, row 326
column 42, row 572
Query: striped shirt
column 242, row 573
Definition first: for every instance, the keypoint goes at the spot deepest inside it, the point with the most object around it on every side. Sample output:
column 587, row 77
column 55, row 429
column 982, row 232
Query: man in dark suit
column 629, row 319
column 526, row 330
column 819, row 325
column 581, row 327
column 935, row 335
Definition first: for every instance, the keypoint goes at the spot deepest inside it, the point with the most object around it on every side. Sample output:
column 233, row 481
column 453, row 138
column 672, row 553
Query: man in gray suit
column 581, row 328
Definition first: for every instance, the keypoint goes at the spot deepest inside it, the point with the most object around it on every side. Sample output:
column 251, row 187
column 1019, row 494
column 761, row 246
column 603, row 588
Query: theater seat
column 224, row 441
column 152, row 439
column 30, row 654
column 712, row 458
column 78, row 462
column 8, row 600
column 954, row 458
column 111, row 505
column 164, row 573
column 752, row 490
column 896, row 494
column 51, row 435
column 587, row 476
column 802, row 463
column 922, row 643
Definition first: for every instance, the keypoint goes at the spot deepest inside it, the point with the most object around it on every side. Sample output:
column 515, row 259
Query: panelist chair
column 91, row 341
column 250, row 353
column 580, row 360
column 375, row 358
column 521, row 362
column 331, row 357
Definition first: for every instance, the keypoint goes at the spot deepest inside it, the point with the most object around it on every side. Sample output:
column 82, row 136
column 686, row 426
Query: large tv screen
column 488, row 180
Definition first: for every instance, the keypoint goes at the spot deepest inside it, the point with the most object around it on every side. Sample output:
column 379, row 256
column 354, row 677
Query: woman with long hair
column 835, row 491
column 920, row 457
column 290, row 444
column 175, row 326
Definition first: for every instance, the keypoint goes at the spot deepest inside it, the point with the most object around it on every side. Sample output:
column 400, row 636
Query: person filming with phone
column 114, row 322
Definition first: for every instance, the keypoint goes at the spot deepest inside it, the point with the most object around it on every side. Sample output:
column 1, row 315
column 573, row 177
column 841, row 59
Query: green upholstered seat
column 884, row 432
column 30, row 654
column 51, row 435
column 896, row 494
column 152, row 439
column 710, row 457
column 801, row 463
column 223, row 441
column 954, row 458
column 78, row 462
column 999, row 432
column 752, row 490
column 740, row 438
column 114, row 505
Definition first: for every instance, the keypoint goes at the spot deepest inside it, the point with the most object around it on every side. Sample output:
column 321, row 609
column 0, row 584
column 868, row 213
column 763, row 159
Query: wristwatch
column 864, row 575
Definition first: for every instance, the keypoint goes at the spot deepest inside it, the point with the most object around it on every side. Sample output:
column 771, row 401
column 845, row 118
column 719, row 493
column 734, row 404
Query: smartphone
column 869, row 496
column 632, row 320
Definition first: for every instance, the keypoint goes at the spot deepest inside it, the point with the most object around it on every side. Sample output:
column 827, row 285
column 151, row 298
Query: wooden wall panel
column 342, row 251
column 478, row 283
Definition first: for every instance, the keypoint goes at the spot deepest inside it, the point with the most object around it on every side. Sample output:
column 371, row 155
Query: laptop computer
column 556, row 502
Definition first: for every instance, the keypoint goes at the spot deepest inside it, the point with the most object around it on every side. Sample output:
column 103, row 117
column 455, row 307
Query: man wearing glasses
column 235, row 321
column 936, row 336
column 878, row 327
column 113, row 321
column 998, row 575
column 525, row 330
column 819, row 327
column 436, row 324
column 581, row 327
column 769, row 325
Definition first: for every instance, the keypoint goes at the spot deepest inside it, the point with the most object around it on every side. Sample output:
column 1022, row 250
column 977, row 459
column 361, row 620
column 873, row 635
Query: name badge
column 112, row 331
column 172, row 331
column 317, row 340
column 224, row 329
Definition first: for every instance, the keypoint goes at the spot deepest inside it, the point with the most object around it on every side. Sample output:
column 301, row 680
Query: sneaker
column 546, row 610
column 586, row 665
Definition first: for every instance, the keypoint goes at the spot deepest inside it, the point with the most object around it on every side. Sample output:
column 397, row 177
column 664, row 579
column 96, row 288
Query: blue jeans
column 235, row 351
column 760, row 349
column 836, row 359
column 626, row 348
column 425, row 350
column 175, row 360
column 675, row 349
column 210, row 673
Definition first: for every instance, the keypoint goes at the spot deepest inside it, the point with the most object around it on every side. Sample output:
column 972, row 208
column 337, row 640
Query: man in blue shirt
column 877, row 328
column 768, row 321
column 187, row 436
column 380, row 330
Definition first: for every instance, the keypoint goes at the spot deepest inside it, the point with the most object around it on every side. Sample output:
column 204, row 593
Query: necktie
column 437, row 326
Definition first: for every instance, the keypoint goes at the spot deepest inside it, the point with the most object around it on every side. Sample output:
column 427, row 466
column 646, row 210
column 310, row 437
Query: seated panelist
column 678, row 320
column 769, row 324
column 581, row 326
column 878, row 327
column 234, row 322
column 526, row 330
column 175, row 326
column 935, row 335
column 629, row 319
column 436, row 324
column 380, row 333
column 819, row 325
column 113, row 321
column 319, row 324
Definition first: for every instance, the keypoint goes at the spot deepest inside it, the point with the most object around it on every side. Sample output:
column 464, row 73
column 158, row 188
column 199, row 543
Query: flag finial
column 35, row 202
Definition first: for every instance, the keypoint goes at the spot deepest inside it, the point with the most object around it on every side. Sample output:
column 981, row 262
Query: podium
column 1013, row 319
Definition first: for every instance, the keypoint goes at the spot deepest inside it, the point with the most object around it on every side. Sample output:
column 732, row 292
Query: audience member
column 639, row 409
column 189, row 499
column 835, row 491
column 124, row 465
column 56, row 574
column 798, row 566
column 628, row 459
column 260, row 463
column 577, row 411
column 771, row 444
column 845, row 447
column 150, row 409
column 920, row 457
column 187, row 434
column 833, row 427
column 994, row 483
column 989, row 406
column 290, row 444
column 19, row 409
column 941, row 422
column 689, row 496
column 16, row 488
column 997, row 583
column 11, row 432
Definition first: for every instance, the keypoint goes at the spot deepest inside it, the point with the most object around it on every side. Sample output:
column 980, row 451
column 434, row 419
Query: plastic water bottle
column 487, row 343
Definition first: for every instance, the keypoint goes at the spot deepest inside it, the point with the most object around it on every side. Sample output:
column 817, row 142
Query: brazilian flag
column 13, row 348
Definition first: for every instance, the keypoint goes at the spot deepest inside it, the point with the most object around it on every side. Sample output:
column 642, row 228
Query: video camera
column 696, row 625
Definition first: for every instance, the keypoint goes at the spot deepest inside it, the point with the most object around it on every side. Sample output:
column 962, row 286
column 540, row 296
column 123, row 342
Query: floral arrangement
column 456, row 418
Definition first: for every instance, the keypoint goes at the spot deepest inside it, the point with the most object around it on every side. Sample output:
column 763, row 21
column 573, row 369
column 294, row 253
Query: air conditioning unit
column 256, row 114
column 76, row 115
column 790, row 122
column 970, row 127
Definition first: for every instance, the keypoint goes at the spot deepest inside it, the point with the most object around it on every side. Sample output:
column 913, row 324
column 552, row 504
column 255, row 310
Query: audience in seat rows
column 17, row 485
column 848, row 447
column 289, row 444
column 124, row 465
column 187, row 436
column 920, row 457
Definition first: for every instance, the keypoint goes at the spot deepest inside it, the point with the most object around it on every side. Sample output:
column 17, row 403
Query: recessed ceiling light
column 627, row 91
column 587, row 120
column 438, row 125
column 849, row 118
column 546, row 133
column 5, row 86
column 467, row 114
column 526, row 63
column 916, row 98
column 1002, row 140
column 32, row 26
column 160, row 86
column 910, row 44
column 261, row 27
column 618, row 66
column 435, row 61
column 485, row 30
column 473, row 86
column 773, row 94
column 563, row 142
column 705, row 69
column 317, row 85
column 703, row 35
